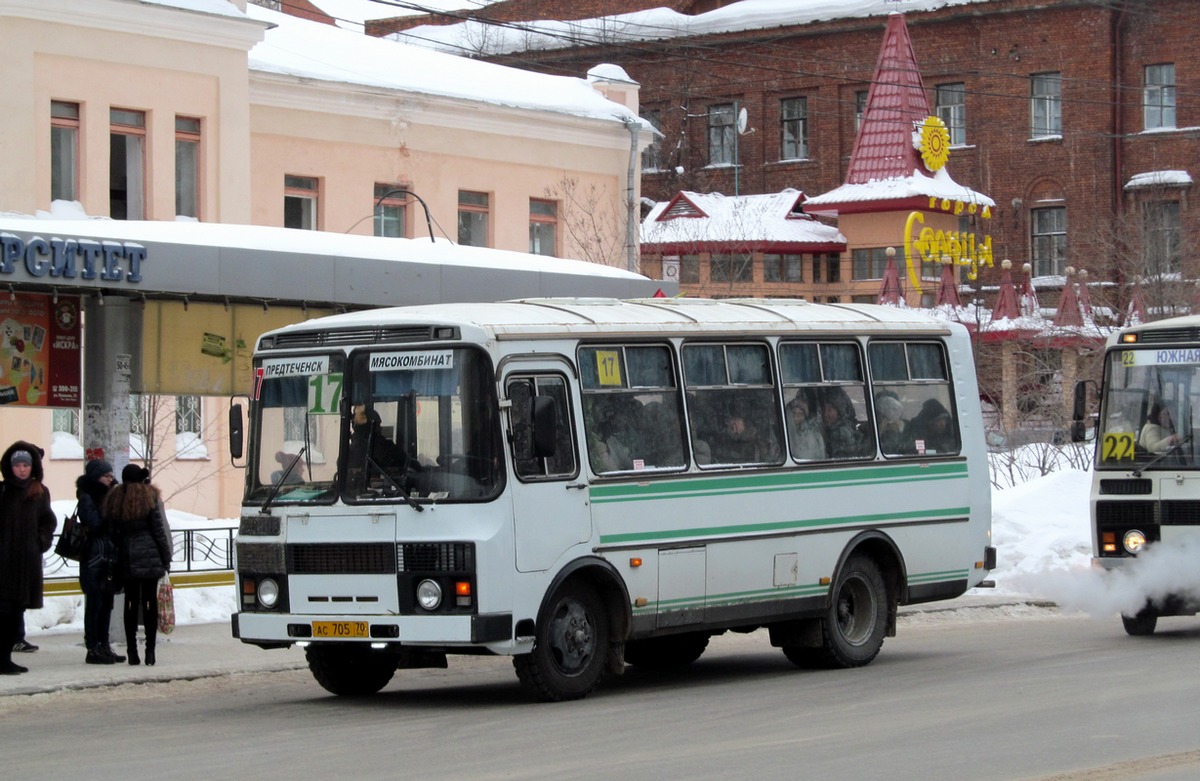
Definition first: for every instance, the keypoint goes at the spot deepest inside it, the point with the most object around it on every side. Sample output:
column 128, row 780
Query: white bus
column 1146, row 482
column 582, row 484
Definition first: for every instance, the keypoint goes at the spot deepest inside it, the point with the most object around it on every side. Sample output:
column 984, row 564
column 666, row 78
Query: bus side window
column 911, row 379
column 561, row 464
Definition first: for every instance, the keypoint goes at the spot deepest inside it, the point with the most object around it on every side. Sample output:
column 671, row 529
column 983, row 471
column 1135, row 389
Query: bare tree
column 592, row 220
column 152, row 420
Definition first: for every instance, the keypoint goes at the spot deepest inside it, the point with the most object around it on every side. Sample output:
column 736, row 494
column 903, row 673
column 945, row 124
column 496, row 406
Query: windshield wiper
column 399, row 488
column 1138, row 472
column 282, row 479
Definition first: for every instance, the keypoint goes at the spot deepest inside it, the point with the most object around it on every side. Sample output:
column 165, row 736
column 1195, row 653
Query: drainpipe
column 631, row 220
column 1118, row 62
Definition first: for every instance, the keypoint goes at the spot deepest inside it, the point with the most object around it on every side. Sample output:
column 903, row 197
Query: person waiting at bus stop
column 26, row 530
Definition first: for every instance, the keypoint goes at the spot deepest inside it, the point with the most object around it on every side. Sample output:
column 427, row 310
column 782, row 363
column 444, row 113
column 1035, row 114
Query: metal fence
column 193, row 550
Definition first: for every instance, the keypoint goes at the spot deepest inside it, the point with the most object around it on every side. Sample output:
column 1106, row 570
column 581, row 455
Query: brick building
column 1080, row 118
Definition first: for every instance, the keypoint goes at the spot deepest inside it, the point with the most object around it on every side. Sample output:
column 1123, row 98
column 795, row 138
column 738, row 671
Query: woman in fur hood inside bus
column 26, row 530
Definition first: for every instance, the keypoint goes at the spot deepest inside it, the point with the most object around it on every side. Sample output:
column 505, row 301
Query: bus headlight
column 429, row 594
column 1135, row 541
column 268, row 592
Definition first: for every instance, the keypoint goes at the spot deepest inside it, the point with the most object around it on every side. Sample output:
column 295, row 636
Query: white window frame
column 1046, row 105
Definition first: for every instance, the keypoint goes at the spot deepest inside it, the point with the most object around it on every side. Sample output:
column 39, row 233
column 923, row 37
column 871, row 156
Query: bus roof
column 557, row 317
column 1185, row 328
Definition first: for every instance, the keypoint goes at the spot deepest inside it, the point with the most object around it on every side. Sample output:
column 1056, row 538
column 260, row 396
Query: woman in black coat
column 135, row 512
column 26, row 530
column 97, row 577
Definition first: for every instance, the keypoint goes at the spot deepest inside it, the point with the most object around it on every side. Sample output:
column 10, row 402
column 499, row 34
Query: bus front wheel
column 852, row 630
column 1144, row 623
column 350, row 671
column 570, row 648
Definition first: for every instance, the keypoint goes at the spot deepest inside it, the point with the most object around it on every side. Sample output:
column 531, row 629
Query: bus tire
column 666, row 653
column 350, row 672
column 852, row 630
column 570, row 647
column 1142, row 624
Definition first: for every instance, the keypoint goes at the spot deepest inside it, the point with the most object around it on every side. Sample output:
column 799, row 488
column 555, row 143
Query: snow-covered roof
column 655, row 24
column 218, row 7
column 1159, row 179
column 918, row 185
column 311, row 50
column 756, row 220
column 354, row 14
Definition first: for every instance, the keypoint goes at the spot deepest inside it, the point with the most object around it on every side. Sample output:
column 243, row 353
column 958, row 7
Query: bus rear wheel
column 1144, row 623
column 348, row 671
column 570, row 648
column 666, row 653
column 852, row 630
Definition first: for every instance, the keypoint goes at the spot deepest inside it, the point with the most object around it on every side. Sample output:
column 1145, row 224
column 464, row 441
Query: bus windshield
column 297, row 429
column 1151, row 408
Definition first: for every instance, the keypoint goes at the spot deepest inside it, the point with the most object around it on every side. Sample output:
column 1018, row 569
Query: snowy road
column 988, row 694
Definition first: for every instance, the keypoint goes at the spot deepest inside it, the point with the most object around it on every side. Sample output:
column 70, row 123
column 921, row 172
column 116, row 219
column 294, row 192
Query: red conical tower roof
column 890, row 292
column 1006, row 301
column 883, row 148
column 948, row 291
column 1135, row 312
column 1068, row 313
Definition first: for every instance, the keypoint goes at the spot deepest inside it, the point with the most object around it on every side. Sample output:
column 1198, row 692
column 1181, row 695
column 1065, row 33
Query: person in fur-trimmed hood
column 135, row 512
column 26, row 530
column 97, row 577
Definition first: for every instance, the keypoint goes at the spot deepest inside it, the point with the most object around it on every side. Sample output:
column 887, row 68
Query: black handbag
column 73, row 542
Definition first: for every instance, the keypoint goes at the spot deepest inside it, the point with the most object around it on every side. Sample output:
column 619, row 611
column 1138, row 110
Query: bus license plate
column 327, row 629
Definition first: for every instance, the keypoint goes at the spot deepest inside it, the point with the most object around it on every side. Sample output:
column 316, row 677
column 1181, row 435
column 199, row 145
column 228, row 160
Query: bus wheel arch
column 579, row 633
column 861, row 611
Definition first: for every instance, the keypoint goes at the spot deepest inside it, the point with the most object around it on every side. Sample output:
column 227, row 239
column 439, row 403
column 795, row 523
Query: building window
column 64, row 151
column 543, row 227
column 952, row 109
column 301, row 198
column 472, row 219
column 793, row 121
column 1158, row 96
column 652, row 155
column 127, row 165
column 860, row 108
column 139, row 412
column 783, row 268
column 187, row 415
column 737, row 267
column 1161, row 237
column 721, row 133
column 689, row 269
column 391, row 210
column 1046, row 91
column 187, row 167
column 1049, row 228
column 833, row 267
column 868, row 263
column 65, row 421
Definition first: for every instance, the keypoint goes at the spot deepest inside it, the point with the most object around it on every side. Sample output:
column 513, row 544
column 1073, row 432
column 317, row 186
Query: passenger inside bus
column 1158, row 435
column 842, row 436
column 894, row 437
column 932, row 429
column 804, row 430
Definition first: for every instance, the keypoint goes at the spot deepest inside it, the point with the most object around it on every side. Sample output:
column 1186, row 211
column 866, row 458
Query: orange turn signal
column 463, row 588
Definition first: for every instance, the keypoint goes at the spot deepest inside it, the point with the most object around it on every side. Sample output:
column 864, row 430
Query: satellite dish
column 743, row 120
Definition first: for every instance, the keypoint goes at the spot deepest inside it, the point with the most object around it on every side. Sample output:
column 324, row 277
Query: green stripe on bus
column 775, row 481
column 778, row 526
column 764, row 595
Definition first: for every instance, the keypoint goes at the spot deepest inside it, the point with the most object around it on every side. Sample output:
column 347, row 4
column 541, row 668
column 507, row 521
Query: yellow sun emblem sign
column 933, row 140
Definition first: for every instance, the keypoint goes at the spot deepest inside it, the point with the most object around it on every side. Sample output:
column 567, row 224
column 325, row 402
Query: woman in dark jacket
column 97, row 577
column 135, row 512
column 26, row 529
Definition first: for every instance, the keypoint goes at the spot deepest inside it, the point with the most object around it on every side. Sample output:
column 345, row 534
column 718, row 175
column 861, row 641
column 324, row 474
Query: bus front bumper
column 273, row 630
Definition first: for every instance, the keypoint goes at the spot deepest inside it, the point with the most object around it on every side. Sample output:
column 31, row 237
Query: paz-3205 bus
column 582, row 484
column 1146, row 484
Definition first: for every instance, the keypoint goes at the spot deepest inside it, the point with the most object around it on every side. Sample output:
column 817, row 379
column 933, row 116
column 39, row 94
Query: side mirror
column 1079, row 410
column 237, row 436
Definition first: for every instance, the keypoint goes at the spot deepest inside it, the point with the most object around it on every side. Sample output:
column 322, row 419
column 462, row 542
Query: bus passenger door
column 549, row 495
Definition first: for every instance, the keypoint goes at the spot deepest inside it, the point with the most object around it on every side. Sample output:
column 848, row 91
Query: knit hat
column 132, row 473
column 97, row 468
column 21, row 457
column 889, row 407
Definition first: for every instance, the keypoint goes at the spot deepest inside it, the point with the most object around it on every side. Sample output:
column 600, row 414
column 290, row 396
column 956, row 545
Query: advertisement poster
column 40, row 355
